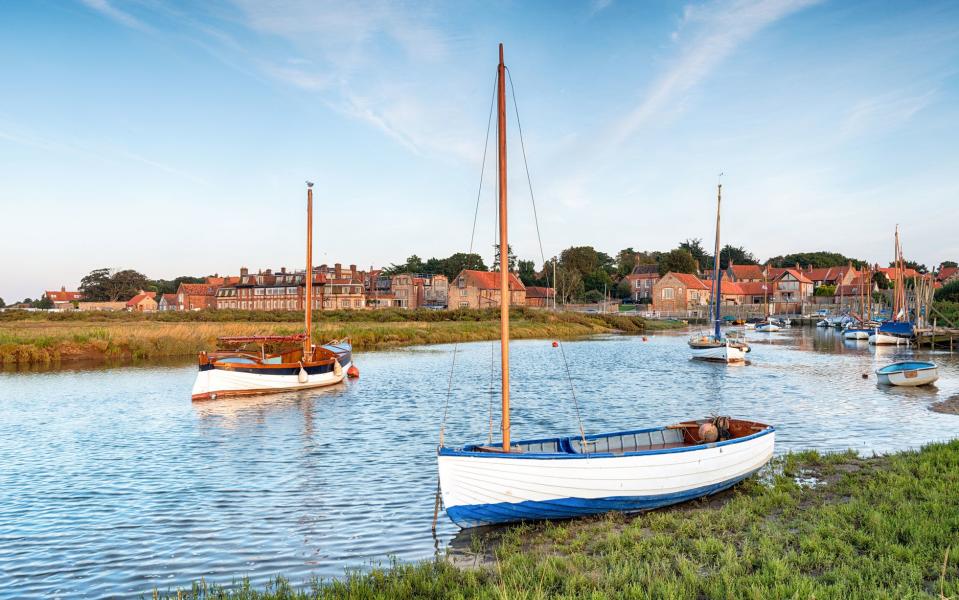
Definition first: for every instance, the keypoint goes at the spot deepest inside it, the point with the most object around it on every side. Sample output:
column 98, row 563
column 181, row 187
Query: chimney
column 283, row 270
column 337, row 270
column 244, row 271
column 269, row 272
column 63, row 288
column 353, row 271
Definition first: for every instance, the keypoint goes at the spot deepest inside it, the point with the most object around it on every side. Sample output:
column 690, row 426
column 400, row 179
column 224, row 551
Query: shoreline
column 30, row 343
column 810, row 525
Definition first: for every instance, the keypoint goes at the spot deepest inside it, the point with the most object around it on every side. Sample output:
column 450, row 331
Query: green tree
column 125, row 284
column 2, row 303
column 821, row 259
column 825, row 290
column 948, row 264
column 626, row 259
column 738, row 254
column 527, row 273
column 881, row 281
column 678, row 260
column 94, row 285
column 569, row 284
column 911, row 264
column 695, row 247
column 623, row 289
column 170, row 286
column 44, row 303
column 948, row 292
column 509, row 253
column 452, row 265
column 594, row 296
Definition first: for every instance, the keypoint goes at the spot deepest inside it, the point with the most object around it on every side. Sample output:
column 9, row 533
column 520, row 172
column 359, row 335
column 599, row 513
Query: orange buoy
column 555, row 344
column 708, row 433
column 353, row 372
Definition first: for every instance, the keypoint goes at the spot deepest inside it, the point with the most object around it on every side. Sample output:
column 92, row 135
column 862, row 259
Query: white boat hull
column 856, row 335
column 882, row 339
column 725, row 353
column 214, row 383
column 482, row 489
column 909, row 378
column 767, row 327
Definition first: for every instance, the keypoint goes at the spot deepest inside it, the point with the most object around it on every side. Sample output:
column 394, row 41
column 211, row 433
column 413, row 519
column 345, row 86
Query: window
column 667, row 293
column 463, row 293
column 464, row 304
column 357, row 303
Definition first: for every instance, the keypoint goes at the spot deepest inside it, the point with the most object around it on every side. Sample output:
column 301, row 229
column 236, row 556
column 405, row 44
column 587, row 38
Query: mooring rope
column 542, row 253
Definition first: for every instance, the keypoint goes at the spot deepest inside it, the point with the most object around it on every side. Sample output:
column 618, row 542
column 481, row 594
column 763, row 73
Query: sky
column 175, row 138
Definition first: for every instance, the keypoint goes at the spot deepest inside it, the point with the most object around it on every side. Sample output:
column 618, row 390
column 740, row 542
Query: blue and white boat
column 910, row 373
column 570, row 476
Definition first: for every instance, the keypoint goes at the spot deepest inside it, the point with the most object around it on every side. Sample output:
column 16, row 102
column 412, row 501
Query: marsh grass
column 65, row 336
column 870, row 528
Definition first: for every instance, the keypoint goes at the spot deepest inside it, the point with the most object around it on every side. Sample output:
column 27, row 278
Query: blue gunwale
column 466, row 450
column 906, row 365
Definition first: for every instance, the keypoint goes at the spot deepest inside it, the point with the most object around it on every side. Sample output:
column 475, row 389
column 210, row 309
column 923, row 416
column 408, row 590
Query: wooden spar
column 503, row 244
column 765, row 293
column 717, row 291
column 308, row 304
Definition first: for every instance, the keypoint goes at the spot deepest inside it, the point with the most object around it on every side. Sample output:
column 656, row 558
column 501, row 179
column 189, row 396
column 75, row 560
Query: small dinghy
column 767, row 326
column 909, row 373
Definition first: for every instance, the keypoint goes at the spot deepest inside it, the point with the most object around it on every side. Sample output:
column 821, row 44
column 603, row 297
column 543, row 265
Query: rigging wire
column 479, row 192
column 539, row 238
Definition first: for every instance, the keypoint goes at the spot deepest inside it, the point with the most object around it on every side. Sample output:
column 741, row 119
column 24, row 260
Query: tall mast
column 503, row 244
column 717, row 292
column 308, row 304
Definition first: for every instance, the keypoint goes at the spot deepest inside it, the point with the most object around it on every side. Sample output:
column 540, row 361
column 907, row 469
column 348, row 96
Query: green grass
column 868, row 528
column 44, row 338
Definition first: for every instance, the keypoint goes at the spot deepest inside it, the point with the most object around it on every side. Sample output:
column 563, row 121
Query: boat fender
column 708, row 433
column 302, row 376
column 337, row 368
column 645, row 339
column 555, row 344
column 353, row 372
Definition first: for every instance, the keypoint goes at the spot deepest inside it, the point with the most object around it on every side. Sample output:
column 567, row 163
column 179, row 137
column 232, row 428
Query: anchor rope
column 479, row 192
column 539, row 238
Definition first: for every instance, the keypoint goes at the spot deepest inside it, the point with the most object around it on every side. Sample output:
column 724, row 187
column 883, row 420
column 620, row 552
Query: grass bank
column 42, row 338
column 820, row 526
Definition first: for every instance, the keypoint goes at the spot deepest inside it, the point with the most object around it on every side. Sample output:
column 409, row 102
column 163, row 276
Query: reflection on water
column 112, row 481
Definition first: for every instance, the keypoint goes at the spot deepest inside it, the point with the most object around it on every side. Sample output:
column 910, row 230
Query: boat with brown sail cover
column 242, row 366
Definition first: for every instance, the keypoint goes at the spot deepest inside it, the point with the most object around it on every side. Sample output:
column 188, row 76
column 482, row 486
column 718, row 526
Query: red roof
column 140, row 297
column 730, row 288
column 755, row 288
column 63, row 296
column 170, row 298
column 890, row 273
column 947, row 272
column 797, row 274
column 746, row 271
column 197, row 289
column 540, row 292
column 489, row 280
column 690, row 281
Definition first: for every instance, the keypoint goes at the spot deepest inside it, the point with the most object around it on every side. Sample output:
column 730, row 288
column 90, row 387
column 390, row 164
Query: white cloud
column 884, row 112
column 124, row 18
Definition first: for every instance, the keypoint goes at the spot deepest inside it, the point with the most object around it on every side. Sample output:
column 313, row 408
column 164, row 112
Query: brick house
column 947, row 275
column 480, row 289
column 416, row 291
column 142, row 302
column 168, row 302
column 286, row 291
column 63, row 299
column 679, row 291
column 641, row 281
column 743, row 273
column 540, row 297
column 792, row 286
column 196, row 296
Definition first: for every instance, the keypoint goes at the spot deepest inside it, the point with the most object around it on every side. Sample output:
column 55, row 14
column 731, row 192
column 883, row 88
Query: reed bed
column 65, row 336
column 818, row 526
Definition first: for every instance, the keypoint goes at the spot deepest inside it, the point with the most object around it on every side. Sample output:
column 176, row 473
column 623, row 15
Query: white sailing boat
column 568, row 476
column 715, row 347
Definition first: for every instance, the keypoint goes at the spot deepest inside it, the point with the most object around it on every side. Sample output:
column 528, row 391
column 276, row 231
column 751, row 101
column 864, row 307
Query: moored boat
column 570, row 476
column 910, row 373
column 242, row 366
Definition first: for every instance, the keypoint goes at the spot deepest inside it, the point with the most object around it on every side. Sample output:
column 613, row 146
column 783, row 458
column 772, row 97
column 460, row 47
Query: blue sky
column 174, row 138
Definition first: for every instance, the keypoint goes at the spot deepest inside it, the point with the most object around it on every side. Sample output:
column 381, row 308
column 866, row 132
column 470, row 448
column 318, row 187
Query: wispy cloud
column 597, row 6
column 706, row 36
column 124, row 18
column 884, row 112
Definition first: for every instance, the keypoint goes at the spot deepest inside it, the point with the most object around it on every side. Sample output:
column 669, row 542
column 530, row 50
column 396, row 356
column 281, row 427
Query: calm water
column 112, row 481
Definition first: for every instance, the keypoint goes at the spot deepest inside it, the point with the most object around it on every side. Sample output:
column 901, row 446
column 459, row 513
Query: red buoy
column 353, row 372
column 555, row 344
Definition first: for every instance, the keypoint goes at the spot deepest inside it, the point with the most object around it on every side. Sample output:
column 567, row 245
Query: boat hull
column 488, row 489
column 214, row 382
column 722, row 353
column 884, row 339
column 767, row 327
column 908, row 377
column 856, row 334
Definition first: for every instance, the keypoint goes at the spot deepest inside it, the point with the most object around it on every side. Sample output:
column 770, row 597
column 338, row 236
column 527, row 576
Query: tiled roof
column 197, row 289
column 730, row 288
column 746, row 271
column 140, row 297
column 690, row 281
column 539, row 292
column 489, row 280
column 63, row 296
column 170, row 298
column 797, row 274
column 755, row 288
column 646, row 270
column 947, row 272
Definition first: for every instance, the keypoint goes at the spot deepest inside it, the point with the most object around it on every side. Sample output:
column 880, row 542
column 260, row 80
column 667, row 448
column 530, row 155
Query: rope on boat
column 479, row 192
column 542, row 254
column 436, row 505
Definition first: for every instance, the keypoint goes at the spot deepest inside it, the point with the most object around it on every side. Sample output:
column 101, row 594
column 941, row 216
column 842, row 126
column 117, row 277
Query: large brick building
column 480, row 289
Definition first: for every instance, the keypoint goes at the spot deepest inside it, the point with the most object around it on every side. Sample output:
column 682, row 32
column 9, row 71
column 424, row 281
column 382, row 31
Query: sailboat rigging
column 247, row 365
column 569, row 476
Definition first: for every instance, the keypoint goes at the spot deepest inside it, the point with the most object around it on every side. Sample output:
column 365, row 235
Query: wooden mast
column 308, row 301
column 717, row 299
column 503, row 244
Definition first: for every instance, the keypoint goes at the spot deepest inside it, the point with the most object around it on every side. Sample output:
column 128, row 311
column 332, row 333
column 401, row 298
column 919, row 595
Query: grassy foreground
column 820, row 526
column 39, row 338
